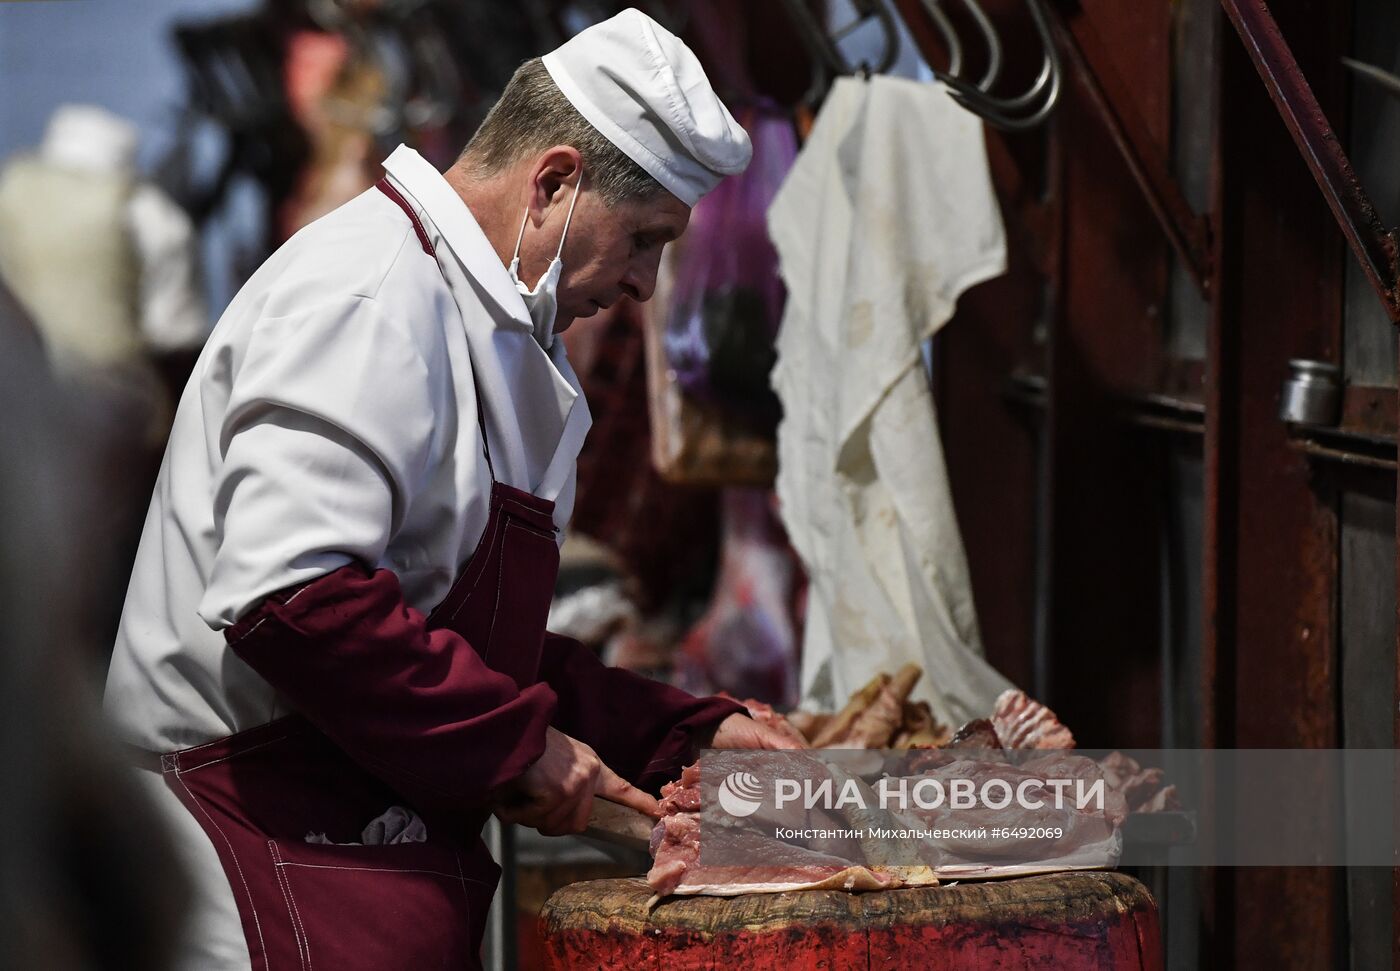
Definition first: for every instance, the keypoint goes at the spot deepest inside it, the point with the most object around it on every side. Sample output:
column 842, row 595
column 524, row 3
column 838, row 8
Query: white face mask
column 543, row 301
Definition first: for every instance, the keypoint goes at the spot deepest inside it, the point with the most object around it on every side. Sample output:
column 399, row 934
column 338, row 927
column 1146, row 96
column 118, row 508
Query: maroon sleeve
column 643, row 730
column 418, row 708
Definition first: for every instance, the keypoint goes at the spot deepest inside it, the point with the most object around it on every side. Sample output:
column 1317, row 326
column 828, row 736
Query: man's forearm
column 417, row 708
column 644, row 730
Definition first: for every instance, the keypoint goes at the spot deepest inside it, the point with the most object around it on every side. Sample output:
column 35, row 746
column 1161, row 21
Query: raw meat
column 1164, row 801
column 875, row 727
column 746, row 642
column 919, row 728
column 1022, row 722
column 977, row 737
column 1118, row 768
column 683, row 795
column 879, row 715
column 1066, row 766
column 1142, row 787
column 1023, row 744
column 874, row 714
column 675, row 849
column 809, row 723
column 1089, row 836
column 840, row 724
column 1143, row 790
column 976, row 734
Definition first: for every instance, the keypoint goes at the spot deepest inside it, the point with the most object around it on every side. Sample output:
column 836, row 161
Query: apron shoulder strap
column 396, row 197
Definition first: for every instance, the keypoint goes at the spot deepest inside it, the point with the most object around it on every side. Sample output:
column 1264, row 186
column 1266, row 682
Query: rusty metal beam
column 1375, row 246
column 1112, row 100
column 1273, row 531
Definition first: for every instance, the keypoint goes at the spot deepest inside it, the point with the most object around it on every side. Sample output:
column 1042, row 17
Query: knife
column 620, row 825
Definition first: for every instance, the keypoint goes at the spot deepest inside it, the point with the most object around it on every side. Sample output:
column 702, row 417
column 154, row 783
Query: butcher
column 332, row 665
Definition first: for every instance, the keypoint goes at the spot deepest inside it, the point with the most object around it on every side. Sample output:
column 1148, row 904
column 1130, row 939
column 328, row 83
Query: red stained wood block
column 1087, row 921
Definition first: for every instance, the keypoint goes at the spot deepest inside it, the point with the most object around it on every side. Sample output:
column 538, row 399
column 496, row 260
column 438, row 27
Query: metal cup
column 1312, row 395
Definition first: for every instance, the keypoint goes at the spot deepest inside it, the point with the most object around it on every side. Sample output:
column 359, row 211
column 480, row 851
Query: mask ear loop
column 567, row 219
column 515, row 258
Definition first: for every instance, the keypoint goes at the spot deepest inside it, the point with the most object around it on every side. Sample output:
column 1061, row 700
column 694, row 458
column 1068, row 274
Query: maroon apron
column 259, row 793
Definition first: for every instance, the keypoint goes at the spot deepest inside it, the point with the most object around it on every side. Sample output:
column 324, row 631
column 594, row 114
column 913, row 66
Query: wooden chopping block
column 1083, row 921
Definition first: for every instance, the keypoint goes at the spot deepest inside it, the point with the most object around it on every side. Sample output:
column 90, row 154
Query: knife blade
column 620, row 825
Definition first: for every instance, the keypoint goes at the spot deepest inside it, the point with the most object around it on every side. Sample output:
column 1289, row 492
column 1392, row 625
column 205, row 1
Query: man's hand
column 555, row 795
column 741, row 731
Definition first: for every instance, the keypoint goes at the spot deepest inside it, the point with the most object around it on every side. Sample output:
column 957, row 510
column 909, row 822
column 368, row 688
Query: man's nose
column 640, row 281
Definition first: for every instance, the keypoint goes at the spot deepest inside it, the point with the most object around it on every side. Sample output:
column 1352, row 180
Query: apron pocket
column 406, row 905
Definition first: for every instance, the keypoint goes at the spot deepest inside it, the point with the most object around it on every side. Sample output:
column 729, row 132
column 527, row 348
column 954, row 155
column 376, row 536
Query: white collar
column 536, row 414
column 446, row 212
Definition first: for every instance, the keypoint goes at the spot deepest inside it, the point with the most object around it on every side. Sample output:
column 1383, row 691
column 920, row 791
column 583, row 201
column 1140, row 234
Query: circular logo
column 741, row 794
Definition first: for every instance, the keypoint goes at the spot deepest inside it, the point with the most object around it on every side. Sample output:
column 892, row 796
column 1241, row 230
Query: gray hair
column 533, row 115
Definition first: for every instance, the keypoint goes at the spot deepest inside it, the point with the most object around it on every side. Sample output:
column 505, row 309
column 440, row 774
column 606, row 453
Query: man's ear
column 554, row 175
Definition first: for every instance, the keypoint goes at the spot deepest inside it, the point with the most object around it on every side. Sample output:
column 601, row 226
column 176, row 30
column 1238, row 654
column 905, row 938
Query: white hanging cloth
column 886, row 218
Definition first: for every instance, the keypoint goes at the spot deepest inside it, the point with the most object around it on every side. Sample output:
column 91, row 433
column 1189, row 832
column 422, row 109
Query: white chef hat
column 645, row 91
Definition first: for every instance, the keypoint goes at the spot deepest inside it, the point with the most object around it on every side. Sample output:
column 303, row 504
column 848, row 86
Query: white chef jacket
column 886, row 217
column 331, row 417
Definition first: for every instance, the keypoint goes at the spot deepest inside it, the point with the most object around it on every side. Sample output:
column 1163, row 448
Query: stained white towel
column 886, row 218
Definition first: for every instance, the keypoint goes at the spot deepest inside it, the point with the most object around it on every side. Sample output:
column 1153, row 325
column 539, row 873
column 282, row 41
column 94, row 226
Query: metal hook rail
column 1005, row 113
